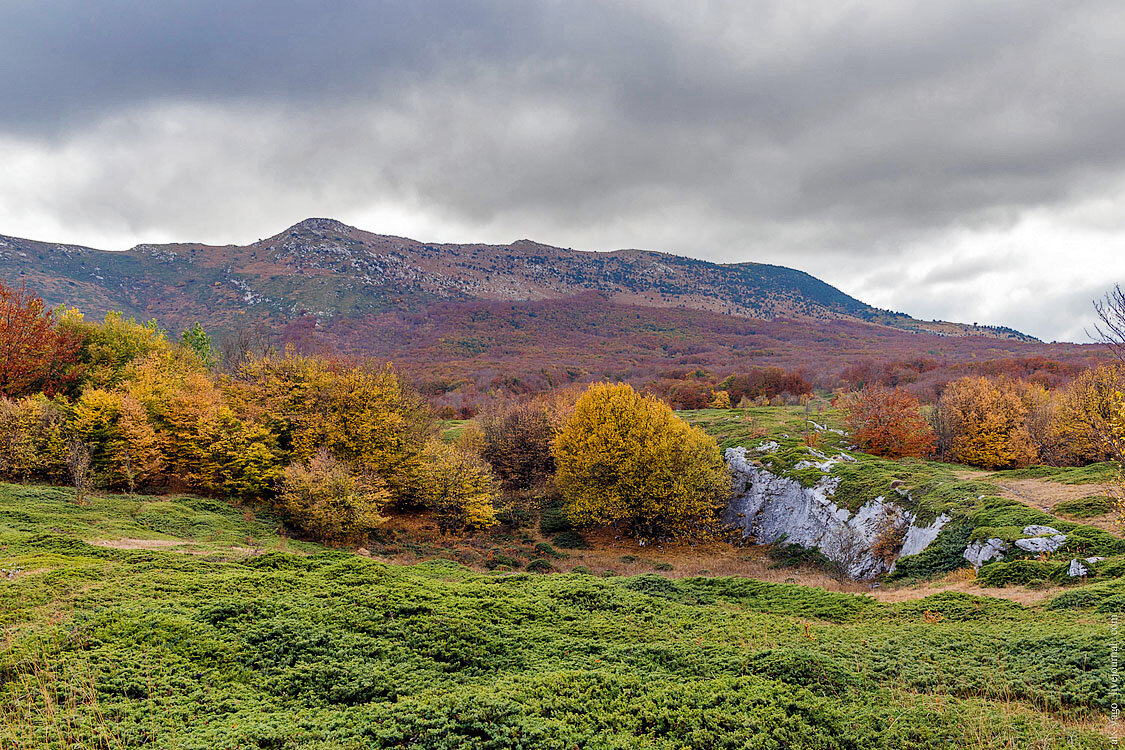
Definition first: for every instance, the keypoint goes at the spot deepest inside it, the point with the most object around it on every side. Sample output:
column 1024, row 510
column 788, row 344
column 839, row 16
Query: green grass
column 195, row 523
column 733, row 427
column 451, row 429
column 1102, row 473
column 150, row 648
column 1087, row 507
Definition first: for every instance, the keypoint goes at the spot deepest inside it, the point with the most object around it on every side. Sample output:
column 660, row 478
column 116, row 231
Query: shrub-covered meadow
column 112, row 648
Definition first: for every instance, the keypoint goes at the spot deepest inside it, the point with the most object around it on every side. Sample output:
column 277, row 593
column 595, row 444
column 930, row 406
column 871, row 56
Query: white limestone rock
column 1076, row 569
column 1042, row 543
column 1036, row 530
column 920, row 537
column 978, row 553
column 769, row 508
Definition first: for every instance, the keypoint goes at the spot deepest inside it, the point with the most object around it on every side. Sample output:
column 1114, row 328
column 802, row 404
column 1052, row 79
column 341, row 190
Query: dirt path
column 137, row 543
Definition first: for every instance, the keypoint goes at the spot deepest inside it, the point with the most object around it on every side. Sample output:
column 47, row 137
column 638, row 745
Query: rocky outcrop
column 1036, row 539
column 770, row 508
column 978, row 553
column 1042, row 543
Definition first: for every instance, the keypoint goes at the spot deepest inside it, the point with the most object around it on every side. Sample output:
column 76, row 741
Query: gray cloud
column 899, row 150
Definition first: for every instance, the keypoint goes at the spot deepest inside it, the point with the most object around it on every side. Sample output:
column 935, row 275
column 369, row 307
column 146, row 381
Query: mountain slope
column 330, row 270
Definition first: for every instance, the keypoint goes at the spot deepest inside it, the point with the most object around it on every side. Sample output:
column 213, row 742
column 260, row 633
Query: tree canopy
column 624, row 457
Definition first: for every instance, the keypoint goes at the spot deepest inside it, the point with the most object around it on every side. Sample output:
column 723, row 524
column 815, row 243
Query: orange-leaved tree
column 35, row 355
column 987, row 420
column 888, row 422
column 624, row 457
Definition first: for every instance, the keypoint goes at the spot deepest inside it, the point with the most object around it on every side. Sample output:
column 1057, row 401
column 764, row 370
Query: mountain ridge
column 325, row 268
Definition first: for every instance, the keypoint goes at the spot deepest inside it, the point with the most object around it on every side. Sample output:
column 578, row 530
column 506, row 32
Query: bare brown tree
column 1110, row 328
column 246, row 340
column 78, row 462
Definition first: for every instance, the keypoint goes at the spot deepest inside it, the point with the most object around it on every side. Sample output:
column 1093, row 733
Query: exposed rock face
column 978, row 553
column 1076, row 569
column 1039, row 539
column 769, row 507
column 1042, row 543
column 919, row 537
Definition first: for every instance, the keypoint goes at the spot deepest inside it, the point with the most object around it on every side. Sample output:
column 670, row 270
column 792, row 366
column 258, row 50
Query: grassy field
column 183, row 622
column 154, row 648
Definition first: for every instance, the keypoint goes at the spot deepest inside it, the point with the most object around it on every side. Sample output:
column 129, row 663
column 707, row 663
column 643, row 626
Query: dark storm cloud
column 825, row 136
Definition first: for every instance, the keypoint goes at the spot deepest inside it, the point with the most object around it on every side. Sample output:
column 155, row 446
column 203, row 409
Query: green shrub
column 552, row 520
column 955, row 606
column 663, row 566
column 1085, row 597
column 653, row 585
column 807, row 601
column 794, row 556
column 539, row 565
column 497, row 558
column 1001, row 511
column 570, row 540
column 1112, row 604
column 1086, row 507
column 819, row 672
column 1000, row 574
column 1088, row 541
column 545, row 549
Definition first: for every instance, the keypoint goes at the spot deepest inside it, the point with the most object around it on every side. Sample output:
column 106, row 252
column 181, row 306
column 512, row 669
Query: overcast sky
column 955, row 160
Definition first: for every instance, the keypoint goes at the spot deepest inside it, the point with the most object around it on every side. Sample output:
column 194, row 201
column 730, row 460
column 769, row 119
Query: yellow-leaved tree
column 458, row 487
column 325, row 497
column 627, row 458
column 721, row 400
column 1085, row 415
column 125, row 449
column 33, row 438
column 112, row 345
column 363, row 415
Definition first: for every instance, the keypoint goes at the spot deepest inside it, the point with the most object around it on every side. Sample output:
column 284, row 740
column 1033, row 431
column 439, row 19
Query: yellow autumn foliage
column 126, row 451
column 333, row 503
column 988, row 420
column 624, row 457
column 721, row 400
column 364, row 416
column 458, row 487
column 33, row 438
column 1085, row 414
